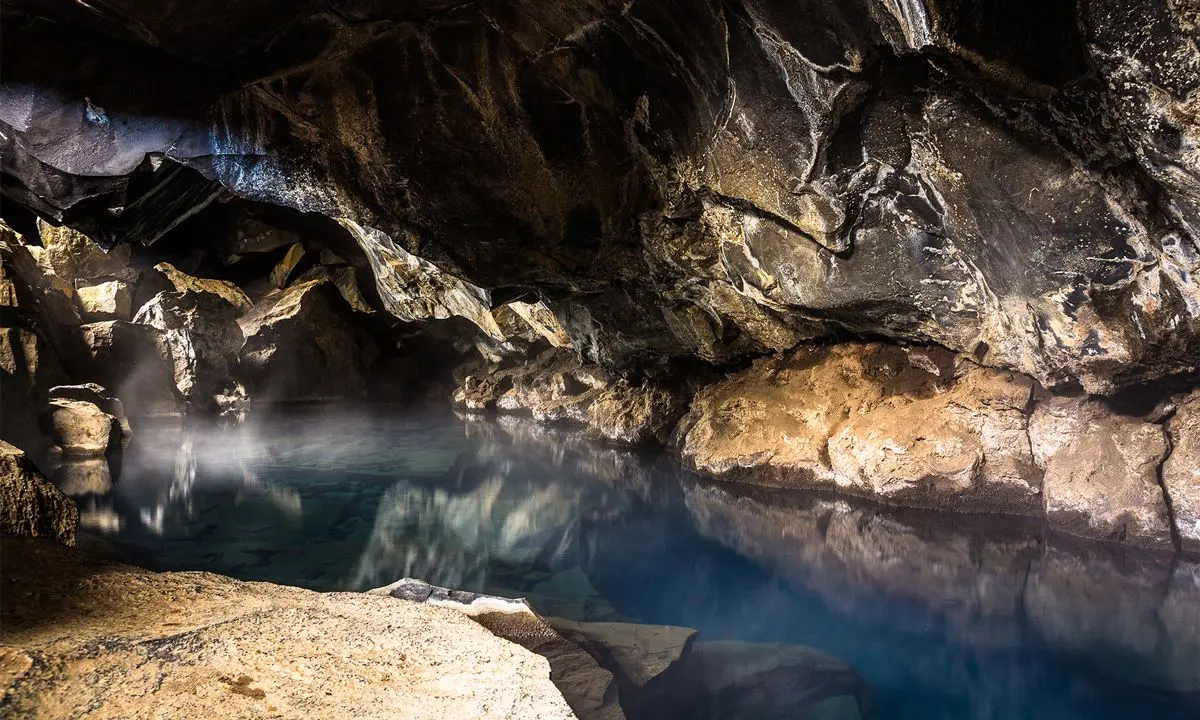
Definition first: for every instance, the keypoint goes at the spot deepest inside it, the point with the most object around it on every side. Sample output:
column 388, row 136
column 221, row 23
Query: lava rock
column 1181, row 471
column 30, row 505
column 1101, row 478
column 301, row 345
column 915, row 427
column 100, row 397
column 83, row 430
column 202, row 336
column 112, row 300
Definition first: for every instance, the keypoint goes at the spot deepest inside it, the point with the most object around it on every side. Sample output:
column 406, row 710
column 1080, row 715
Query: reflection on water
column 946, row 617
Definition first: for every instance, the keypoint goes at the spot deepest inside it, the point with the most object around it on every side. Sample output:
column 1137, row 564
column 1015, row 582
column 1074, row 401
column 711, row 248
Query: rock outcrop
column 112, row 300
column 1181, row 471
column 556, row 387
column 30, row 505
column 198, row 645
column 132, row 359
column 910, row 427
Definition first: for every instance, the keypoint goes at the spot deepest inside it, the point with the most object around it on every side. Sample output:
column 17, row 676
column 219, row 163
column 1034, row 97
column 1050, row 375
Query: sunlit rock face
column 715, row 180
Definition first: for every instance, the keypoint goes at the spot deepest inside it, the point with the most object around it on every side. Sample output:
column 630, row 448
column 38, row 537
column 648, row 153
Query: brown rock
column 224, row 289
column 29, row 504
column 197, row 645
column 73, row 256
column 1101, row 477
column 100, row 397
column 910, row 427
column 285, row 269
column 112, row 300
column 301, row 345
column 1181, row 471
column 132, row 360
column 639, row 652
column 81, row 429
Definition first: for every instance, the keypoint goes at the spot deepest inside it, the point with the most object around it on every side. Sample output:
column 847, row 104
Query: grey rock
column 132, row 360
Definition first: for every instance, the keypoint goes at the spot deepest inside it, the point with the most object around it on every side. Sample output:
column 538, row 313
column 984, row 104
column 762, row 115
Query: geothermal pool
column 943, row 616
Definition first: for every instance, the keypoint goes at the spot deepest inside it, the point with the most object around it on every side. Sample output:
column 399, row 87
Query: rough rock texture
column 132, row 360
column 1181, row 471
column 112, row 300
column 223, row 289
column 556, row 387
column 200, row 645
column 83, row 430
column 300, row 347
column 72, row 256
column 30, row 505
column 1101, row 475
column 202, row 336
column 911, row 427
column 101, row 398
column 713, row 179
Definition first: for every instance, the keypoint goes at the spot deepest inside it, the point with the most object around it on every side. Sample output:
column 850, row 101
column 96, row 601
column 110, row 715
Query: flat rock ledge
column 87, row 638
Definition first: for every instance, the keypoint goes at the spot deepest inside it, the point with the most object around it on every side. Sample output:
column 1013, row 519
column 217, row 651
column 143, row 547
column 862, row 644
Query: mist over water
column 944, row 616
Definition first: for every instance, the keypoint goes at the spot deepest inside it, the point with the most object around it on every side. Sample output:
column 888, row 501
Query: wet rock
column 912, row 427
column 193, row 645
column 638, row 653
column 556, row 387
column 1101, row 472
column 112, row 300
column 760, row 680
column 80, row 477
column 83, row 430
column 202, row 336
column 101, row 398
column 224, row 289
column 73, row 256
column 590, row 689
column 132, row 359
column 301, row 344
column 1181, row 471
column 29, row 504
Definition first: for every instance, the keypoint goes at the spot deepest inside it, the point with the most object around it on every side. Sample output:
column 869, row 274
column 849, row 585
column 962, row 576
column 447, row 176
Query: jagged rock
column 100, row 397
column 914, row 427
column 244, row 650
column 286, row 268
column 73, row 256
column 133, row 360
column 1181, row 471
column 83, row 430
column 112, row 300
column 760, row 680
column 345, row 278
column 588, row 688
column 223, row 289
column 202, row 336
column 29, row 504
column 301, row 345
column 1101, row 468
column 557, row 387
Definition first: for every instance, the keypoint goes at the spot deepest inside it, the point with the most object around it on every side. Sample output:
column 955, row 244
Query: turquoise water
column 943, row 616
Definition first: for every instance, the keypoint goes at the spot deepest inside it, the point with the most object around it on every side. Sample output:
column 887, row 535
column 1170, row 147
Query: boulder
column 29, row 504
column 288, row 266
column 100, row 397
column 83, row 430
column 637, row 653
column 914, row 426
column 224, row 289
column 302, row 345
column 588, row 688
column 132, row 359
column 113, row 641
column 1101, row 471
column 202, row 336
column 556, row 387
column 1181, row 471
column 112, row 300
column 74, row 257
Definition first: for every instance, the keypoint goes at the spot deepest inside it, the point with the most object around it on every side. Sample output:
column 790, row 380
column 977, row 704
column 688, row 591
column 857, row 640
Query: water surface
column 944, row 616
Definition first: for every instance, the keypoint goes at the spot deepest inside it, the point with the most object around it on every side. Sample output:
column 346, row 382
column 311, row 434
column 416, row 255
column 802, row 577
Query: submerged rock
column 1101, row 476
column 30, row 505
column 302, row 345
column 911, row 427
column 199, row 645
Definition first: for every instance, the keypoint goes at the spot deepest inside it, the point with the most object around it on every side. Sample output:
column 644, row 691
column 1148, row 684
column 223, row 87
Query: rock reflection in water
column 945, row 617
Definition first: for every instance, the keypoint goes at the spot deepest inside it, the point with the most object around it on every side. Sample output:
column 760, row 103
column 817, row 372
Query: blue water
column 943, row 616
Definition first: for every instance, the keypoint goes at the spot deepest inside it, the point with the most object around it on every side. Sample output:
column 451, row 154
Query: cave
column 638, row 359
